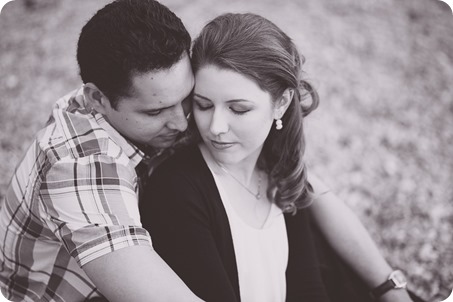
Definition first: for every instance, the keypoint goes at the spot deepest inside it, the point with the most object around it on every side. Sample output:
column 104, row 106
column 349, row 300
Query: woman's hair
column 256, row 48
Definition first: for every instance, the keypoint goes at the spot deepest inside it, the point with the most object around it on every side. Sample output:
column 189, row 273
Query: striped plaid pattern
column 72, row 199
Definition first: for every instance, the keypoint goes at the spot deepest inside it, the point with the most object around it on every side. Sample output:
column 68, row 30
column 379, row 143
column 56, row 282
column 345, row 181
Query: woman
column 229, row 214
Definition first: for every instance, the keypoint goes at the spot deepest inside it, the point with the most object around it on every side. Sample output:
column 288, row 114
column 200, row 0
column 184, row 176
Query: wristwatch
column 396, row 280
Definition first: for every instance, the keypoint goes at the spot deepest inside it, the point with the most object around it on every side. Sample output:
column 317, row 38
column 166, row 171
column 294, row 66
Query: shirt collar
column 135, row 154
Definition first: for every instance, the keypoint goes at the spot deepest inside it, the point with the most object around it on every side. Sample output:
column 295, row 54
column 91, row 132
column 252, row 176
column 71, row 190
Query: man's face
column 154, row 115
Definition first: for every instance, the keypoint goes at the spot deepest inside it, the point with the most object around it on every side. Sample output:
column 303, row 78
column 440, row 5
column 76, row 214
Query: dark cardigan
column 184, row 214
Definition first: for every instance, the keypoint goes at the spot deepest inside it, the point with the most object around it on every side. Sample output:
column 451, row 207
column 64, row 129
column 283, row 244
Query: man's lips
column 169, row 136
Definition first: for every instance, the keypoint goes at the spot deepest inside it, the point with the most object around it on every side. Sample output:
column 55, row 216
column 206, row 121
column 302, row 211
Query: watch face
column 399, row 279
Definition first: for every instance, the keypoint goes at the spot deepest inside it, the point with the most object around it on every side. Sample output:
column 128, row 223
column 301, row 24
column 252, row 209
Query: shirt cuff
column 110, row 241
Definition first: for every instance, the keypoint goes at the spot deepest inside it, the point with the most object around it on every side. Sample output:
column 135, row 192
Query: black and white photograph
column 226, row 150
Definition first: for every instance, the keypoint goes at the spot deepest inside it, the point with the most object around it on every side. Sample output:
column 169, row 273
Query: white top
column 261, row 254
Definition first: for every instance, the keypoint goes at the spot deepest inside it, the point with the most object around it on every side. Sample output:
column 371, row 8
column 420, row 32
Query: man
column 69, row 225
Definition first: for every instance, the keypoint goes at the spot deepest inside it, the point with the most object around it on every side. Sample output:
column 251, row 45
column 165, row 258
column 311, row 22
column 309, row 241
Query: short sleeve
column 91, row 205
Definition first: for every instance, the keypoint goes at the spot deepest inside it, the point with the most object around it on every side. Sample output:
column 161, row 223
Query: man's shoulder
column 70, row 138
column 73, row 132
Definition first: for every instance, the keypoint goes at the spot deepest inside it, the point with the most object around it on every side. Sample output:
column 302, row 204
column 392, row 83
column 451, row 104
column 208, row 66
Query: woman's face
column 233, row 114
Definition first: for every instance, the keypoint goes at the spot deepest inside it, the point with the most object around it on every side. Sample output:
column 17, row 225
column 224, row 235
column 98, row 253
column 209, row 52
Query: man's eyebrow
column 155, row 109
column 164, row 108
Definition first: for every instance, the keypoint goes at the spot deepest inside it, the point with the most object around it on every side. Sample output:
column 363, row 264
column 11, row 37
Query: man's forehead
column 159, row 92
column 166, row 81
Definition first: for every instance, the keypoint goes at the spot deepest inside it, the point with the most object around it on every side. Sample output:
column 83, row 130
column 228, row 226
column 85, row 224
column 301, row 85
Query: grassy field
column 382, row 137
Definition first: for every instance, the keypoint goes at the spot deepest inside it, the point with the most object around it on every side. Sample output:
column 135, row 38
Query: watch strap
column 396, row 280
column 382, row 289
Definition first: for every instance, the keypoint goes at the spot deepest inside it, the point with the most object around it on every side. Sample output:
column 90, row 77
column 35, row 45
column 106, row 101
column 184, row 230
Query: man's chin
column 154, row 145
column 164, row 145
column 161, row 143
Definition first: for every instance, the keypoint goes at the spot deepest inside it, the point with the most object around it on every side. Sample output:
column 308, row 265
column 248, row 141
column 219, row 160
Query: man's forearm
column 137, row 274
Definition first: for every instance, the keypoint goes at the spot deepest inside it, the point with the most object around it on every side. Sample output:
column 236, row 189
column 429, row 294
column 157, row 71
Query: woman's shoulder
column 185, row 179
column 179, row 175
column 185, row 159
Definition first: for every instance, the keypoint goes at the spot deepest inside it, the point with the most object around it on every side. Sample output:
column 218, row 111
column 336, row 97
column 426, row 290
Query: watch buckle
column 398, row 279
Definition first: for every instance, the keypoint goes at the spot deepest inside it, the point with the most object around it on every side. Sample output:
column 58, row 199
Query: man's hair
column 127, row 38
column 256, row 48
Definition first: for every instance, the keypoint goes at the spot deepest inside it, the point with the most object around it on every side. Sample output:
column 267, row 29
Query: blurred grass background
column 382, row 137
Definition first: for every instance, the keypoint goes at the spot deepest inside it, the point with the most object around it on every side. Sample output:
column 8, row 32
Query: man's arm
column 99, row 224
column 351, row 241
column 137, row 273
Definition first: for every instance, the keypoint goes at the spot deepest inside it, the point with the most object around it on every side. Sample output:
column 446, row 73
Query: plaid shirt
column 72, row 199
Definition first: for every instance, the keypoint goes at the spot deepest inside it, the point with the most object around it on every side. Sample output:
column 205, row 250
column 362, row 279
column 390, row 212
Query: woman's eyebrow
column 239, row 101
column 201, row 97
column 229, row 101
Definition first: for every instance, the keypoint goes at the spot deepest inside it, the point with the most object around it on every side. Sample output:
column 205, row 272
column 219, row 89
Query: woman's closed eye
column 238, row 109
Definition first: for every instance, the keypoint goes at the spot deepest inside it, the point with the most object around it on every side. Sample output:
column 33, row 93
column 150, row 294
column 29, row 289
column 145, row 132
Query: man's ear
column 282, row 105
column 95, row 98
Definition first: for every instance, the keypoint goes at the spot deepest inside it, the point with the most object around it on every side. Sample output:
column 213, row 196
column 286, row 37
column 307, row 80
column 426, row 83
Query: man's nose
column 178, row 120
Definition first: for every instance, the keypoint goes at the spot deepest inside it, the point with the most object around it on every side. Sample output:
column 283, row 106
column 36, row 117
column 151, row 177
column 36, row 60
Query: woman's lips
column 221, row 145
